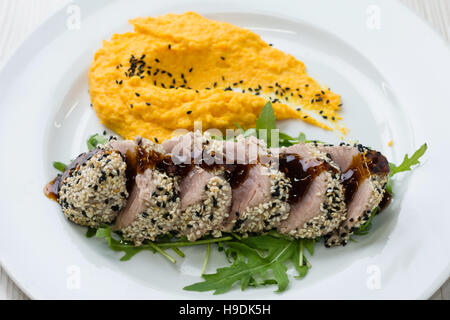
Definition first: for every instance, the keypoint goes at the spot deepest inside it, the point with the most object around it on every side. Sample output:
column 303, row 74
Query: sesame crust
column 269, row 214
column 95, row 191
column 161, row 213
column 342, row 235
column 148, row 144
column 378, row 183
column 206, row 217
column 332, row 207
column 332, row 212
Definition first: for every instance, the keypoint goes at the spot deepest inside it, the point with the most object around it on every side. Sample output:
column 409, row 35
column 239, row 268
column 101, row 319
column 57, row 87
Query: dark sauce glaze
column 236, row 174
column 354, row 176
column 301, row 173
column 51, row 190
column 143, row 159
column 385, row 202
column 362, row 167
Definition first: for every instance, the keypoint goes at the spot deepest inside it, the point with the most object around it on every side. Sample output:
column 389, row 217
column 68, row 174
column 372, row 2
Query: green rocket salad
column 254, row 261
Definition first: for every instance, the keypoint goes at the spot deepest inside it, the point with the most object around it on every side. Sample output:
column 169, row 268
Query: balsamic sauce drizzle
column 363, row 165
column 301, row 173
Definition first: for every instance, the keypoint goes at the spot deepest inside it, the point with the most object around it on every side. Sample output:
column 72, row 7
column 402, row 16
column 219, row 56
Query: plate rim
column 49, row 21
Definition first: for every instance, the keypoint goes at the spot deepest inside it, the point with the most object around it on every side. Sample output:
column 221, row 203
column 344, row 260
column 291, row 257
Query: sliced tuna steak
column 259, row 192
column 364, row 176
column 205, row 203
column 316, row 197
column 154, row 204
column 205, row 194
column 92, row 190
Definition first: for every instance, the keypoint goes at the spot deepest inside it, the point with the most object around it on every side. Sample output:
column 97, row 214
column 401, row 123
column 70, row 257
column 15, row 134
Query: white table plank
column 18, row 18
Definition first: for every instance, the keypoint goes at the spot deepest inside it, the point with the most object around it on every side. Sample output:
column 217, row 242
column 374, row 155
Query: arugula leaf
column 366, row 226
column 299, row 260
column 91, row 232
column 254, row 257
column 287, row 141
column 309, row 245
column 247, row 133
column 95, row 140
column 59, row 166
column 266, row 119
column 119, row 245
column 255, row 283
column 405, row 165
column 408, row 162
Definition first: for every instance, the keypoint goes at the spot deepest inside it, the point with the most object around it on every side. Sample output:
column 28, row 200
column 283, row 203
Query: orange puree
column 174, row 70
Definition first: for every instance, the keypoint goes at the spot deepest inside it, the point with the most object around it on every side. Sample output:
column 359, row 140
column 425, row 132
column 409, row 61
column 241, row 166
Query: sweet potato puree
column 175, row 69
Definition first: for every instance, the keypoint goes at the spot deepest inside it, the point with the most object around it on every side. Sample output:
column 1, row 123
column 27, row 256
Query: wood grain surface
column 18, row 18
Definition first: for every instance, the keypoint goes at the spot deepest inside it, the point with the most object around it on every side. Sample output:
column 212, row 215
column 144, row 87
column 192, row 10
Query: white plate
column 394, row 83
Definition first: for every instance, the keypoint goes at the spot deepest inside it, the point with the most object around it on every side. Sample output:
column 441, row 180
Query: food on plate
column 308, row 190
column 263, row 206
column 364, row 178
column 176, row 69
column 317, row 206
column 154, row 194
column 92, row 190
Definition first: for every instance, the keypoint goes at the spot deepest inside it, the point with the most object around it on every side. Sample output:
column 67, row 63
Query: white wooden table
column 19, row 17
